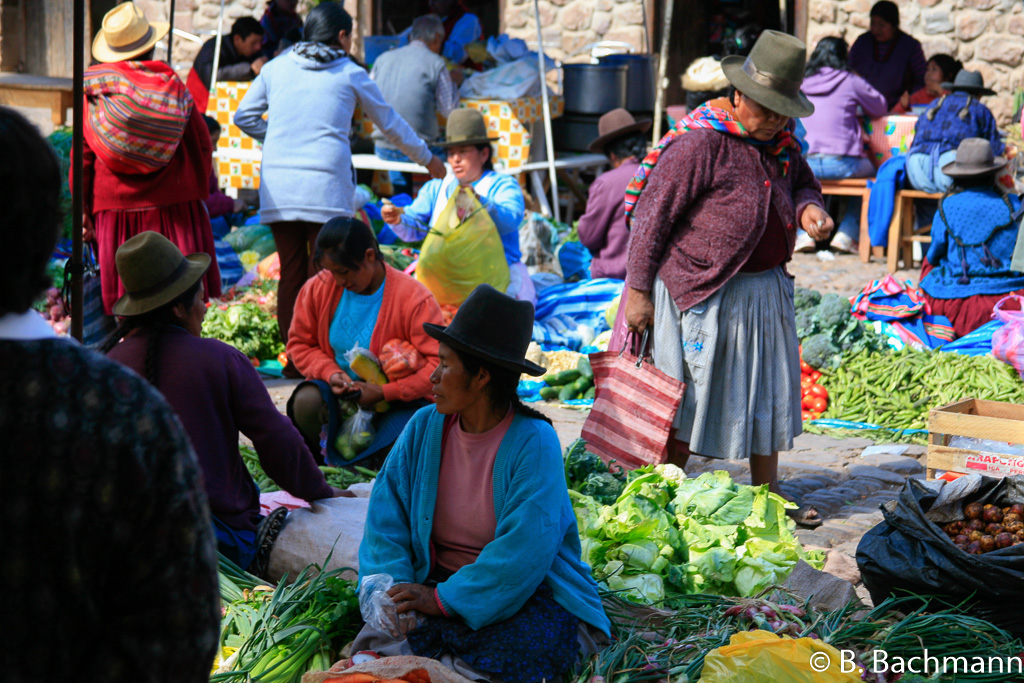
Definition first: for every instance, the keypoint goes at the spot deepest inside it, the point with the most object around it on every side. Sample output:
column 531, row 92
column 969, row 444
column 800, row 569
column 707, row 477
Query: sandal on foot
column 806, row 516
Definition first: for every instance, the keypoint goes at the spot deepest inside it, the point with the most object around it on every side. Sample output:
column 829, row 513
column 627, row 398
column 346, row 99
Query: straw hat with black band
column 126, row 33
column 615, row 124
column 466, row 127
column 772, row 74
column 969, row 82
column 974, row 157
column 492, row 326
column 154, row 273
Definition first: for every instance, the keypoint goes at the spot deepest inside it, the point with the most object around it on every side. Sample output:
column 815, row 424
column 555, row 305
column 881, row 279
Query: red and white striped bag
column 634, row 407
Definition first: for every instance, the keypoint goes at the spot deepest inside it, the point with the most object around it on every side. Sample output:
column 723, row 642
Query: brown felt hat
column 154, row 273
column 974, row 157
column 466, row 126
column 614, row 124
column 126, row 33
column 772, row 74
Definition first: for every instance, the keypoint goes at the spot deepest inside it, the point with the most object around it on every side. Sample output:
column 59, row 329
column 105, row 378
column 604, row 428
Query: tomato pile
column 813, row 396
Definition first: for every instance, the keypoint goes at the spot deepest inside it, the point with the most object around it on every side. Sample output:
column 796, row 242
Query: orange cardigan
column 406, row 305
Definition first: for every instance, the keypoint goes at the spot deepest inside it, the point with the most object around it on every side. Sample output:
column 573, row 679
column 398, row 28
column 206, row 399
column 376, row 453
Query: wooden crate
column 978, row 419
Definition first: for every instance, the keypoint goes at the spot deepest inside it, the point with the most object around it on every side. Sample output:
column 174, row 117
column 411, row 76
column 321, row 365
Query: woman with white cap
column 146, row 152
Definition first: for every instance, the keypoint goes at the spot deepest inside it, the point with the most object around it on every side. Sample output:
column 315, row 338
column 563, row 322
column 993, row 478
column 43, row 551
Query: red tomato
column 805, row 369
column 805, row 382
column 815, row 376
column 818, row 404
column 255, row 361
column 807, row 403
column 282, row 358
column 819, row 390
column 806, row 415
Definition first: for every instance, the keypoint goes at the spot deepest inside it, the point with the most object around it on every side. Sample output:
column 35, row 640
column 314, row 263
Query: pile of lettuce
column 245, row 326
column 667, row 536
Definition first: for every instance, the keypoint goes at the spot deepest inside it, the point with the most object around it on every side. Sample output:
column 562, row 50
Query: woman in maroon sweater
column 214, row 390
column 714, row 223
column 146, row 154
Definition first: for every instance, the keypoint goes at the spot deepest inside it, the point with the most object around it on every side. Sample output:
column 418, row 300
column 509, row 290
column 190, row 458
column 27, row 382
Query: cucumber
column 548, row 392
column 562, row 378
column 583, row 365
column 582, row 384
column 590, row 392
column 567, row 392
column 552, row 380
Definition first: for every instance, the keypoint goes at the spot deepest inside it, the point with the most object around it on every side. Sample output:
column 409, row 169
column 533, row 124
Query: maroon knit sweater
column 705, row 208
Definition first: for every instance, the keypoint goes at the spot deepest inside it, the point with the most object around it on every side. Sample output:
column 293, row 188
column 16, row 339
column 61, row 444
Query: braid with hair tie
column 931, row 112
column 966, row 110
column 125, row 326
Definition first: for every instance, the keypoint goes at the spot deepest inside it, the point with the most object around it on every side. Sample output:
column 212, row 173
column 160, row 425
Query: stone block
column 634, row 35
column 965, row 52
column 559, row 3
column 814, row 539
column 1000, row 49
column 823, row 11
column 841, row 566
column 602, row 22
column 628, row 15
column 839, row 534
column 936, row 46
column 1002, row 109
column 857, row 509
column 574, row 42
column 928, row 3
column 872, row 472
column 980, row 4
column 856, row 6
column 1015, row 24
column 865, row 486
column 937, row 21
column 825, row 31
column 824, row 591
column 577, row 16
column 900, row 464
column 847, row 493
column 970, row 25
column 605, row 5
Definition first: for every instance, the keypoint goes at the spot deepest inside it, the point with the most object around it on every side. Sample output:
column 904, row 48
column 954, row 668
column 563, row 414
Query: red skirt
column 970, row 313
column 187, row 224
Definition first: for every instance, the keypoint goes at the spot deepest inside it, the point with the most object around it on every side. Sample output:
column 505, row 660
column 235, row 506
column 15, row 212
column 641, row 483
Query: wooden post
column 77, row 225
column 659, row 87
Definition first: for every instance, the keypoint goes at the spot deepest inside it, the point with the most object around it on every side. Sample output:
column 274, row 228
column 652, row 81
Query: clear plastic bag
column 399, row 358
column 355, row 435
column 379, row 610
column 368, row 368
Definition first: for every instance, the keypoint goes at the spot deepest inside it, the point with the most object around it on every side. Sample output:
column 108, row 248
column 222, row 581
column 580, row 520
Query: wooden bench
column 25, row 90
column 854, row 187
column 902, row 235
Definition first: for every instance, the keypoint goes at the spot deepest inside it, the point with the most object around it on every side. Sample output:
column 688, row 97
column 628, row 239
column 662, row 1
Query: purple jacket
column 902, row 72
column 705, row 208
column 602, row 228
column 216, row 393
column 834, row 127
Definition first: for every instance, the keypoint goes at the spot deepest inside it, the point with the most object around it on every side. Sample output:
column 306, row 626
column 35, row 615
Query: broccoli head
column 806, row 323
column 818, row 350
column 833, row 311
column 805, row 298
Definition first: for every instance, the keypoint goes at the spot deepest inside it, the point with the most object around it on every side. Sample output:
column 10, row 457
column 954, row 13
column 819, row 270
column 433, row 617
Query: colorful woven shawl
column 137, row 114
column 715, row 118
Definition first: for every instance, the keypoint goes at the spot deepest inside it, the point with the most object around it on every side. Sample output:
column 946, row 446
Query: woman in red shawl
column 146, row 154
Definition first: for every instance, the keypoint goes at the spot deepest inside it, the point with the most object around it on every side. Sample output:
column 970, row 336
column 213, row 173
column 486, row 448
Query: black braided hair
column 152, row 323
column 501, row 390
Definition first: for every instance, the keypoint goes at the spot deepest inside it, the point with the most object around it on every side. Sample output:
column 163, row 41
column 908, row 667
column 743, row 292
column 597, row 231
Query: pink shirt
column 464, row 519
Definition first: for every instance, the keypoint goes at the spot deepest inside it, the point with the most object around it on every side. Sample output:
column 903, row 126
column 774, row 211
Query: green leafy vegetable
column 245, row 326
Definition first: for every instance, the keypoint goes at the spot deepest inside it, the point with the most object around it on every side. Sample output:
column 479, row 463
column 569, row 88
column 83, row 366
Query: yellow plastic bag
column 462, row 251
column 758, row 656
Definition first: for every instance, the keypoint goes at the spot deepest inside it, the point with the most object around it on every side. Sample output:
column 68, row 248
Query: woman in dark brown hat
column 215, row 391
column 471, row 518
column 714, row 224
column 967, row 271
column 602, row 227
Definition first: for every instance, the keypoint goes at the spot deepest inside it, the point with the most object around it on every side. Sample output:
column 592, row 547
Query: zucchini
column 567, row 392
column 582, row 384
column 583, row 365
column 562, row 378
column 590, row 392
column 548, row 393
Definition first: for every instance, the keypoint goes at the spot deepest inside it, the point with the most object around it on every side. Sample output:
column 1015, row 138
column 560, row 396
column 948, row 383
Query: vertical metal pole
column 647, row 47
column 659, row 99
column 170, row 37
column 548, row 139
column 216, row 51
column 77, row 215
column 783, row 15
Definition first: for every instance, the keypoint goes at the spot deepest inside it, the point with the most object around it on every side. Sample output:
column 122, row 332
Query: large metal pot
column 593, row 88
column 639, row 80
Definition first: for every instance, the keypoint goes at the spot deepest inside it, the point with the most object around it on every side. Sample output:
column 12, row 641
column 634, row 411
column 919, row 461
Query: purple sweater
column 705, row 208
column 602, row 228
column 216, row 393
column 835, row 127
column 903, row 71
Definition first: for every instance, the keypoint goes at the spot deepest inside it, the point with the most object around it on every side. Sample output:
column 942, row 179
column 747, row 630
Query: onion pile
column 55, row 313
column 987, row 528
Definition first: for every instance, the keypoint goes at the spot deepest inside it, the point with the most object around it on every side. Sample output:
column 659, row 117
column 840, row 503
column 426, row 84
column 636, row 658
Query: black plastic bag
column 909, row 552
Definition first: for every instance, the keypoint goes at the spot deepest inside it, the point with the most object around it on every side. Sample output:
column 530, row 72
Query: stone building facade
column 569, row 26
column 986, row 35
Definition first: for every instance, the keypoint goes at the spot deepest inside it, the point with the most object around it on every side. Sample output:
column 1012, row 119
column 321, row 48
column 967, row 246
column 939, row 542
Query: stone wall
column 568, row 26
column 986, row 35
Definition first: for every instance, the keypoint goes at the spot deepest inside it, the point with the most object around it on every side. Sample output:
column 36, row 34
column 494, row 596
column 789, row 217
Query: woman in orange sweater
column 358, row 300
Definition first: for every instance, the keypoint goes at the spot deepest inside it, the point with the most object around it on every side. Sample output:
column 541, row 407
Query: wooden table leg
column 906, row 233
column 56, row 111
column 892, row 254
column 865, row 235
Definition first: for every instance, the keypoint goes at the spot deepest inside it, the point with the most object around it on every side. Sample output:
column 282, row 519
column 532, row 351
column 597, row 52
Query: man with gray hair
column 415, row 81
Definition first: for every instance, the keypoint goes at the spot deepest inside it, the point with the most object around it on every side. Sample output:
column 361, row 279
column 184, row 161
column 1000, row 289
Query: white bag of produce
column 311, row 534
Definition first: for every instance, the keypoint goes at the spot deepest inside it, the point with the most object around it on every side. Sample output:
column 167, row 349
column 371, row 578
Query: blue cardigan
column 536, row 539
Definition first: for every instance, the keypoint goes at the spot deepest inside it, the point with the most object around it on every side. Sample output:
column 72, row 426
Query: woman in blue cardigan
column 471, row 517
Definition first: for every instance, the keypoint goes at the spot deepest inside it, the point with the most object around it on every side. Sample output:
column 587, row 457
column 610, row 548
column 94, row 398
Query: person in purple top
column 215, row 391
column 889, row 59
column 835, row 146
column 602, row 228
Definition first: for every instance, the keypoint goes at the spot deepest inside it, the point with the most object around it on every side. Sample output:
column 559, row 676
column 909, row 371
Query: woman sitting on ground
column 834, row 136
column 215, row 391
column 471, row 518
column 973, row 237
column 941, row 69
column 357, row 300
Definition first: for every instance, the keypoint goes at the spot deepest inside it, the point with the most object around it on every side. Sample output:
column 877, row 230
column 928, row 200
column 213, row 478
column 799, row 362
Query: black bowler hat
column 492, row 326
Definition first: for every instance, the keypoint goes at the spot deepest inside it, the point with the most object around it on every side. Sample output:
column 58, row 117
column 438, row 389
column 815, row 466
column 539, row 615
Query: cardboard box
column 977, row 419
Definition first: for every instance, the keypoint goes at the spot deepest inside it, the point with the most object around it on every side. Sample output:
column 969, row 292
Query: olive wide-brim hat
column 465, row 127
column 974, row 157
column 492, row 326
column 772, row 74
column 154, row 273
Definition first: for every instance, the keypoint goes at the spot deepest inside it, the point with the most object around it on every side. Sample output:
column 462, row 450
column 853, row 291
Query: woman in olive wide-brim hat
column 471, row 517
column 713, row 224
column 147, row 153
column 215, row 391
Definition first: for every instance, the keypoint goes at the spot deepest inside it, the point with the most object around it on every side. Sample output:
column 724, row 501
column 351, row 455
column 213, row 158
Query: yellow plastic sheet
column 462, row 251
column 760, row 656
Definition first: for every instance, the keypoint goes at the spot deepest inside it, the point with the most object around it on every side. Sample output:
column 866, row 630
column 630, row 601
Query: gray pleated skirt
column 738, row 354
